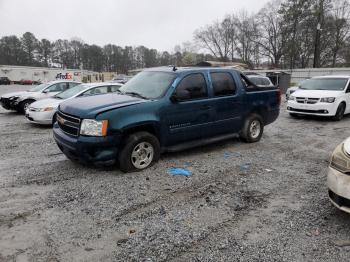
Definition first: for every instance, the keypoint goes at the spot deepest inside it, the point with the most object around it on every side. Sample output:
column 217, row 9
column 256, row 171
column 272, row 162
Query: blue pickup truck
column 164, row 110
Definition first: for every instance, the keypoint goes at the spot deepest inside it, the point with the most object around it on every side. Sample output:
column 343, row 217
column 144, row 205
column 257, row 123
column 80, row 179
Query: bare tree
column 270, row 33
column 215, row 38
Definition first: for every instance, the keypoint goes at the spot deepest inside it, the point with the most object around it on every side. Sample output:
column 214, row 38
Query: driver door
column 189, row 113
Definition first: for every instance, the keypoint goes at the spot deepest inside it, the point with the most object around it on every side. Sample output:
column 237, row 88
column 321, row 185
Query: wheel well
column 262, row 111
column 145, row 128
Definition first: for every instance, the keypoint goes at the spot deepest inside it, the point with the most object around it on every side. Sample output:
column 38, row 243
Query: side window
column 59, row 87
column 72, row 84
column 192, row 87
column 96, row 91
column 223, row 84
column 114, row 88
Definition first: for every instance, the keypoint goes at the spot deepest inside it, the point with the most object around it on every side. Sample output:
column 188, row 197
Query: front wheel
column 140, row 151
column 340, row 112
column 22, row 107
column 253, row 129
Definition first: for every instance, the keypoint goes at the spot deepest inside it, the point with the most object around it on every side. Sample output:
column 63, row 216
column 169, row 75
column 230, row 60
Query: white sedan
column 44, row 111
column 338, row 179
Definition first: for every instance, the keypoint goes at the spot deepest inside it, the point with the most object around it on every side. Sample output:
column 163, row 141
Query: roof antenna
column 174, row 68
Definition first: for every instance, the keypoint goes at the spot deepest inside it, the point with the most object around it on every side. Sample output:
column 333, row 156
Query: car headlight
column 292, row 98
column 328, row 99
column 14, row 98
column 91, row 127
column 47, row 109
column 340, row 160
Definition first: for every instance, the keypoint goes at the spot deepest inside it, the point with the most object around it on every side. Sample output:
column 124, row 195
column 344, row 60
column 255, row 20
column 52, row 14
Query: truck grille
column 307, row 100
column 68, row 124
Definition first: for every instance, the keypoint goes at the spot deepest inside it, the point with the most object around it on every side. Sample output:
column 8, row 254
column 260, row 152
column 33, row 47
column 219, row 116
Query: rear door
column 227, row 103
column 190, row 115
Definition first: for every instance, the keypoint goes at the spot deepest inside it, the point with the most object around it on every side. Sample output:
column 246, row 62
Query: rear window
column 223, row 84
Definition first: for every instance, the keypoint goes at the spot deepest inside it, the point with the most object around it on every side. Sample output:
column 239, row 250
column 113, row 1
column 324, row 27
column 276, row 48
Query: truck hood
column 49, row 102
column 317, row 93
column 89, row 107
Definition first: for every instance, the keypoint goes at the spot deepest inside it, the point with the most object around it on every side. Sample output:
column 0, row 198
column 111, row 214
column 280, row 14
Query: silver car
column 20, row 101
column 44, row 111
column 260, row 81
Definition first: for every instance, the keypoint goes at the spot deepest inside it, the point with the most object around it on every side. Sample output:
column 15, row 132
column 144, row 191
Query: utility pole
column 318, row 34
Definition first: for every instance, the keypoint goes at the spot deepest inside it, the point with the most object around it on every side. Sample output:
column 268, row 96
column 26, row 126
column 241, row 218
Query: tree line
column 284, row 33
column 27, row 50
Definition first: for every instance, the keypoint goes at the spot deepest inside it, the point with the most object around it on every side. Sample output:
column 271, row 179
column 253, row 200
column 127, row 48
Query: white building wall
column 17, row 73
column 298, row 75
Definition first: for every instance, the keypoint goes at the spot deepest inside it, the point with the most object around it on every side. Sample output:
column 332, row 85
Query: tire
column 24, row 104
column 139, row 145
column 340, row 112
column 54, row 118
column 250, row 134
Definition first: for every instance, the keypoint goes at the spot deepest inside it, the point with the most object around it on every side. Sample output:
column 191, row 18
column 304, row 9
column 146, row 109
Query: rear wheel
column 253, row 129
column 140, row 151
column 340, row 112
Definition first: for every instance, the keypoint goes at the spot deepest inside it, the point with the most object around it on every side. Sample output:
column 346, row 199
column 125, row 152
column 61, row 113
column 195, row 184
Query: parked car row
column 171, row 109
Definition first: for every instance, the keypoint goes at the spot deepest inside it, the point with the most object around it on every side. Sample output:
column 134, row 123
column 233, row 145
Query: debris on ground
column 175, row 171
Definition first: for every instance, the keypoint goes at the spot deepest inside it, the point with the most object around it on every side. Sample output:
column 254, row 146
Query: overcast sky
column 159, row 24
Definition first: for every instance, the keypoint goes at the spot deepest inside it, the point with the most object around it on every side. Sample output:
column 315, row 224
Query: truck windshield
column 39, row 87
column 71, row 92
column 331, row 84
column 149, row 85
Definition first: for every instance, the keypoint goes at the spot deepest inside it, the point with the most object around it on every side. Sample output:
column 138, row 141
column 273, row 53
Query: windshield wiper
column 135, row 94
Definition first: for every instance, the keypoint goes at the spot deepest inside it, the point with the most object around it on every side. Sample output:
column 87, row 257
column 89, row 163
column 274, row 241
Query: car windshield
column 149, row 85
column 71, row 92
column 331, row 84
column 39, row 87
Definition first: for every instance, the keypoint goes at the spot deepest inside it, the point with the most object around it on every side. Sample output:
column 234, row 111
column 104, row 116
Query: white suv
column 321, row 96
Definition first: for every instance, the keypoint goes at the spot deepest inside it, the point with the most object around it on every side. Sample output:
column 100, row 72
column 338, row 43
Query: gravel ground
column 245, row 202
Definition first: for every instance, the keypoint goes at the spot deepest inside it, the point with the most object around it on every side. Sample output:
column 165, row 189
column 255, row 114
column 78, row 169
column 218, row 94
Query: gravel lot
column 245, row 202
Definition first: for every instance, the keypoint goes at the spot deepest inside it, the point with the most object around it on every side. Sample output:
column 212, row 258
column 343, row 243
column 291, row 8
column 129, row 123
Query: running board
column 199, row 142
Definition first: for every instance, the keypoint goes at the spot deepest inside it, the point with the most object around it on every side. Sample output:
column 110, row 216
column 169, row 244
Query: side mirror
column 45, row 91
column 182, row 95
column 174, row 98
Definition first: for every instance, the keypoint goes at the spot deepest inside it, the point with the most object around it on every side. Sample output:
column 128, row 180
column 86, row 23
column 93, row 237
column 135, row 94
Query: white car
column 44, row 111
column 321, row 96
column 338, row 179
column 19, row 101
column 291, row 90
column 260, row 81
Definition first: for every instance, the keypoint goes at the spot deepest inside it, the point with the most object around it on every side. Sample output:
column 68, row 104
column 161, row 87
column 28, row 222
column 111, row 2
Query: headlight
column 292, row 98
column 328, row 99
column 340, row 160
column 46, row 109
column 14, row 98
column 91, row 127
